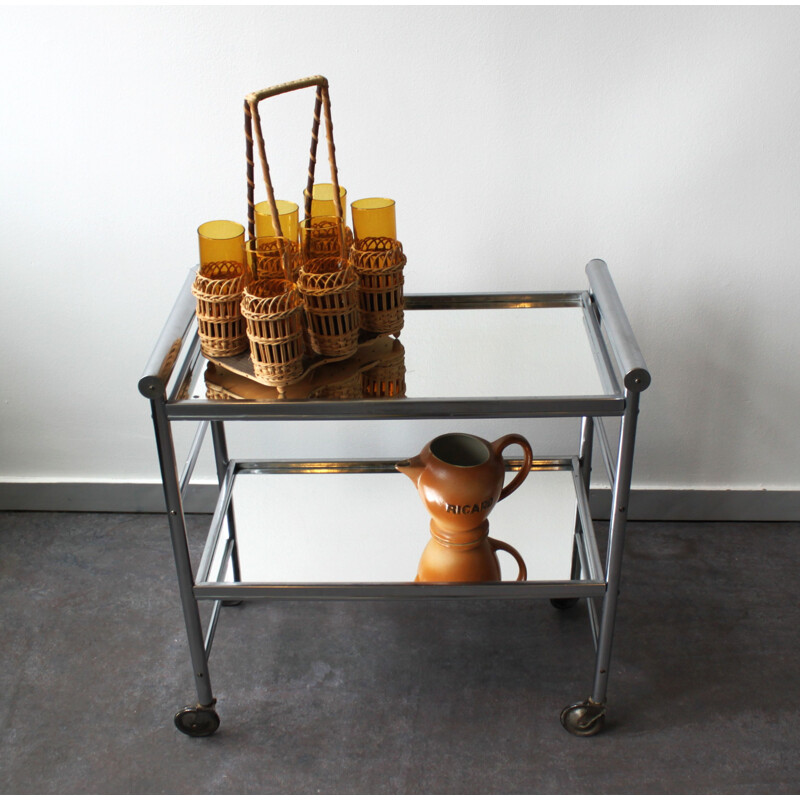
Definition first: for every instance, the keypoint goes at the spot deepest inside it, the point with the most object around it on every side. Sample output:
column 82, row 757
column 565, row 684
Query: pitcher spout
column 413, row 467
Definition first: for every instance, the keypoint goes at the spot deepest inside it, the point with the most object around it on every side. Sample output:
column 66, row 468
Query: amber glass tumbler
column 322, row 236
column 221, row 243
column 374, row 217
column 288, row 215
column 322, row 201
column 272, row 257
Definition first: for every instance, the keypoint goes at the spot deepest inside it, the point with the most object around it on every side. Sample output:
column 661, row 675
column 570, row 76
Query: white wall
column 519, row 143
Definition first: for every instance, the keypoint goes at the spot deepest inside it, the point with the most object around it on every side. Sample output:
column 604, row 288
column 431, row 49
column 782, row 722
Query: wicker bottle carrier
column 329, row 287
column 218, row 290
column 274, row 313
column 379, row 262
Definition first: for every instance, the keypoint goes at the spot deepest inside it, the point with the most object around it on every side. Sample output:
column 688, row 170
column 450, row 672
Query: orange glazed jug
column 460, row 480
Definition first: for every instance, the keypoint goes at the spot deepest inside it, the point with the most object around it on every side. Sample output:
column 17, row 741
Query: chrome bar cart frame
column 624, row 374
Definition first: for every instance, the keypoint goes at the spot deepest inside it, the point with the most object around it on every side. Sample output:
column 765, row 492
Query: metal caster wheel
column 563, row 603
column 584, row 719
column 197, row 720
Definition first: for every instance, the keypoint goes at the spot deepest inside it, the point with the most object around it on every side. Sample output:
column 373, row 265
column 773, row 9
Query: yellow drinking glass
column 288, row 215
column 221, row 245
column 322, row 200
column 374, row 217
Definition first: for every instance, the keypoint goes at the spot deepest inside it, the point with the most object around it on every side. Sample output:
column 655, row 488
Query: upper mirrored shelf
column 503, row 351
column 507, row 352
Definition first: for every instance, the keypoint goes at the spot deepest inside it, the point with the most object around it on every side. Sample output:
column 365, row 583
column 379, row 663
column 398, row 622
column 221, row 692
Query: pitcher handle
column 496, row 545
column 500, row 445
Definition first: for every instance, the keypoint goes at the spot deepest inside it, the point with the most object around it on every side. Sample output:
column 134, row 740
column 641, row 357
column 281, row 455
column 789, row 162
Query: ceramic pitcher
column 460, row 480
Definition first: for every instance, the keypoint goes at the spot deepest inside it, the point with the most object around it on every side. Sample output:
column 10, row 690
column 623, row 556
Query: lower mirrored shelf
column 358, row 529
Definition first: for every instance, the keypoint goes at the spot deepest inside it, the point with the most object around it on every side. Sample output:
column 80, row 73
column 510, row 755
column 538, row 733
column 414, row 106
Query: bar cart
column 603, row 381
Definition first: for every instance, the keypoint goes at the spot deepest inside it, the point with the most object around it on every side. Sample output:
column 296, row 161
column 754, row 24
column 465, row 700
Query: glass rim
column 324, row 191
column 226, row 229
column 372, row 203
column 284, row 207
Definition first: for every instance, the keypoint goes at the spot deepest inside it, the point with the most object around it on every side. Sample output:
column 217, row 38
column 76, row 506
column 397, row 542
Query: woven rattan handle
column 322, row 103
column 289, row 86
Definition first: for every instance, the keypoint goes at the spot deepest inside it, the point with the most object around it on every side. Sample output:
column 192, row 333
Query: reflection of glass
column 322, row 201
column 374, row 217
column 288, row 216
column 321, row 237
column 221, row 243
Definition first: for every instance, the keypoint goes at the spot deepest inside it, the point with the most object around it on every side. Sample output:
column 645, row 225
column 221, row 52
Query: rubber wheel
column 197, row 721
column 584, row 719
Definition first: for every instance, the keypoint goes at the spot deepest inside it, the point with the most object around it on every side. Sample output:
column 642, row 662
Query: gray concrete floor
column 392, row 697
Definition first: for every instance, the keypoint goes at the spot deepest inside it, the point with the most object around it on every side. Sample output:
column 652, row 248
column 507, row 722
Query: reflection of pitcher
column 460, row 479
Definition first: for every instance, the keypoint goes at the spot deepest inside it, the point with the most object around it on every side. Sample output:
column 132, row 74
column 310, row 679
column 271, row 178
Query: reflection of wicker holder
column 268, row 257
column 330, row 293
column 347, row 389
column 218, row 290
column 273, row 309
column 388, row 377
column 218, row 393
column 379, row 264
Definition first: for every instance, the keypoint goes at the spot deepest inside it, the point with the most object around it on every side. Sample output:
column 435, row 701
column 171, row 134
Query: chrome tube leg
column 221, row 458
column 180, row 548
column 585, row 460
column 616, row 541
column 587, row 439
column 586, row 719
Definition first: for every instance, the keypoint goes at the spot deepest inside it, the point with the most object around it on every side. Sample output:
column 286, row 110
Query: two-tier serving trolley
column 574, row 355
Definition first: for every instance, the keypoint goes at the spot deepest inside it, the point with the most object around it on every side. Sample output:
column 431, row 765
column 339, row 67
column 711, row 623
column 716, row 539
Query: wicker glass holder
column 272, row 257
column 329, row 287
column 273, row 310
column 379, row 262
column 322, row 237
column 218, row 290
